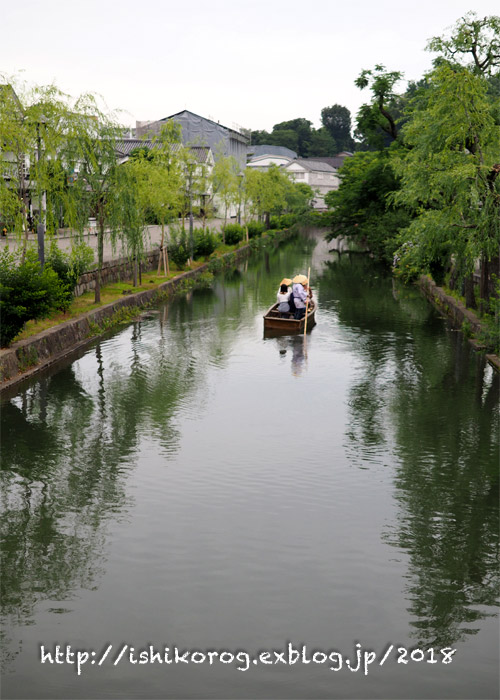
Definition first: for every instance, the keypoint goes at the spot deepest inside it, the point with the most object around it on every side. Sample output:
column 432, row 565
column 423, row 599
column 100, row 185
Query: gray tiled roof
column 334, row 161
column 317, row 165
column 268, row 150
column 124, row 147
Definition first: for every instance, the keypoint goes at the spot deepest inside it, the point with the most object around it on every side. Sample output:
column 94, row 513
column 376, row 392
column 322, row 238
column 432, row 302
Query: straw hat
column 286, row 280
column 300, row 279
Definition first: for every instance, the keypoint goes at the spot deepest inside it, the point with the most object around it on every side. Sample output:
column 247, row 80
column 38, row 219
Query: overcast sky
column 252, row 64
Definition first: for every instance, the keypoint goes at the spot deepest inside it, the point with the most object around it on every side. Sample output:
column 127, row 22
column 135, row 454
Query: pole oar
column 307, row 301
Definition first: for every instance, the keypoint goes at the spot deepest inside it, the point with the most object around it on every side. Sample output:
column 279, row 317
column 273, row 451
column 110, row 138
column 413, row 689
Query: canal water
column 186, row 482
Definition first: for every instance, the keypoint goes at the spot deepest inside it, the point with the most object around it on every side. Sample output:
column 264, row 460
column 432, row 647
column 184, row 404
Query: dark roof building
column 203, row 132
column 335, row 161
column 268, row 150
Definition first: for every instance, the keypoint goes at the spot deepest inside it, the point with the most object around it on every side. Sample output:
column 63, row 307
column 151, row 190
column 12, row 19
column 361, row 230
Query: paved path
column 64, row 239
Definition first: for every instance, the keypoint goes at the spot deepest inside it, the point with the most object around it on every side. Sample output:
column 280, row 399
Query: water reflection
column 175, row 424
column 292, row 349
column 419, row 398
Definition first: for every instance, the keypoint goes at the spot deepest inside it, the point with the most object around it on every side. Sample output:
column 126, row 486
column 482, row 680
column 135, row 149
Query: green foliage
column 27, row 293
column 205, row 242
column 233, row 233
column 69, row 266
column 255, row 229
column 360, row 207
column 287, row 220
column 337, row 120
column 179, row 248
column 376, row 120
column 322, row 143
column 474, row 41
column 204, row 280
column 449, row 173
column 27, row 357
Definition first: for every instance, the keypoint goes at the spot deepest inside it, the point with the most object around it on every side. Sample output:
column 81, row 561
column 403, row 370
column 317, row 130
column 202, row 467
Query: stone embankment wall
column 115, row 271
column 27, row 357
column 456, row 311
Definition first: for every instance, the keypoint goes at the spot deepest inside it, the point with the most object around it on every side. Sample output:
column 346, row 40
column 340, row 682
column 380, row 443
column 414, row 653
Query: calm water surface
column 187, row 482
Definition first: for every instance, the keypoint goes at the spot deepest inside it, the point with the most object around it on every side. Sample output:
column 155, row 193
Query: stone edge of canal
column 54, row 344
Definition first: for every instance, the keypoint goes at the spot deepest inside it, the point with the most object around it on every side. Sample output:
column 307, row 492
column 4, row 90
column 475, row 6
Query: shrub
column 255, row 228
column 233, row 233
column 179, row 248
column 205, row 242
column 27, row 293
column 274, row 222
column 69, row 267
column 287, row 220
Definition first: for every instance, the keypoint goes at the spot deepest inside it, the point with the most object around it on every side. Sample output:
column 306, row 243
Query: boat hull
column 273, row 321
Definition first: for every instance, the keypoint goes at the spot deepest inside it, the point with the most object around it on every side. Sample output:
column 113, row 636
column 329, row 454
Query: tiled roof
column 124, row 147
column 268, row 150
column 334, row 161
column 316, row 165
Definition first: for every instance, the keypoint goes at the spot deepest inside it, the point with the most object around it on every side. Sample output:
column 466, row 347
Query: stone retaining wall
column 115, row 271
column 27, row 357
column 456, row 311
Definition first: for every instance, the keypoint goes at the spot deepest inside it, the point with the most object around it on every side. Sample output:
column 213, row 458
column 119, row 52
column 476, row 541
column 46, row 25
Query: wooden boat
column 274, row 322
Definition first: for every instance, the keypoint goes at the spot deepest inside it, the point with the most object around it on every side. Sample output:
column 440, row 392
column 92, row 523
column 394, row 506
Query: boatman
column 300, row 293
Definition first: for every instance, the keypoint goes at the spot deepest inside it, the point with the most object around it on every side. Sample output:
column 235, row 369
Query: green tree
column 225, row 183
column 360, row 207
column 377, row 121
column 90, row 153
column 31, row 138
column 322, row 143
column 337, row 120
column 450, row 176
column 473, row 42
column 160, row 180
column 303, row 128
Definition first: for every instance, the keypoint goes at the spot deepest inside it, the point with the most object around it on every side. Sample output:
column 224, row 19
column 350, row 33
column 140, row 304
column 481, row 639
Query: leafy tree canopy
column 473, row 42
column 337, row 121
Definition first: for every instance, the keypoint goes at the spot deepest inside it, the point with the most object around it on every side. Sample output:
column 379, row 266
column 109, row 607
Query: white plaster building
column 320, row 176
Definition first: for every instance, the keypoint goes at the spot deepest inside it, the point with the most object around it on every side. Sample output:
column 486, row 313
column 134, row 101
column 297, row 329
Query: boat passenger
column 283, row 298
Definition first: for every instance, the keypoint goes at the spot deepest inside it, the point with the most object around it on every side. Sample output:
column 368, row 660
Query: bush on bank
column 28, row 294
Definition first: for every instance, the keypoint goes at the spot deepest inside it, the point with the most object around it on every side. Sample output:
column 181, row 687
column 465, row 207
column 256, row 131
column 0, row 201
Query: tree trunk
column 470, row 299
column 453, row 277
column 160, row 256
column 100, row 255
column 140, row 273
column 484, row 291
column 135, row 272
column 165, row 259
column 268, row 220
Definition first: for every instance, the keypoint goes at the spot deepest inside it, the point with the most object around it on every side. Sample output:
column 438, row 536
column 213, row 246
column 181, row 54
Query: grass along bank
column 63, row 333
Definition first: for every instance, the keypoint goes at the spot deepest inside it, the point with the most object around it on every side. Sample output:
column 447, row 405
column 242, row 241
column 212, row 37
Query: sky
column 248, row 64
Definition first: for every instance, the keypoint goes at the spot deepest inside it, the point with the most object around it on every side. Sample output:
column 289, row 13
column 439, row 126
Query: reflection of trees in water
column 419, row 394
column 68, row 439
column 66, row 450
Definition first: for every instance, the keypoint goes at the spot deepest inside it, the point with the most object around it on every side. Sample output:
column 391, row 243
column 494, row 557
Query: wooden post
column 307, row 302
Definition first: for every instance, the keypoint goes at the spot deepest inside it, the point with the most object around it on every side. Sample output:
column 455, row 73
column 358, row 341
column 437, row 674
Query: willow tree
column 225, row 183
column 31, row 139
column 159, row 179
column 90, row 153
column 449, row 176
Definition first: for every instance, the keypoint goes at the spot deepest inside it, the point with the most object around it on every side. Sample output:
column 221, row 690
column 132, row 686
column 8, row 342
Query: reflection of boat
column 274, row 322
